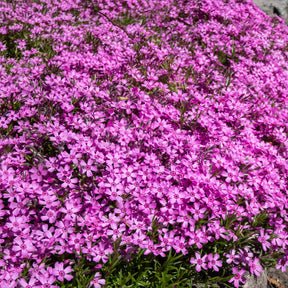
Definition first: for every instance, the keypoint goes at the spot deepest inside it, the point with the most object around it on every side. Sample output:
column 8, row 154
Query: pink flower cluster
column 106, row 126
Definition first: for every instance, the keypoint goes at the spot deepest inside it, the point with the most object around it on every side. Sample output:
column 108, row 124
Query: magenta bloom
column 46, row 281
column 29, row 284
column 88, row 167
column 213, row 262
column 197, row 212
column 62, row 273
column 232, row 257
column 255, row 267
column 25, row 247
column 69, row 182
column 263, row 240
column 200, row 262
column 238, row 276
column 119, row 135
column 97, row 282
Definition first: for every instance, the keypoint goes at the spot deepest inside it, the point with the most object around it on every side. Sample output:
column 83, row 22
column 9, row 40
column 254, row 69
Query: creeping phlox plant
column 142, row 143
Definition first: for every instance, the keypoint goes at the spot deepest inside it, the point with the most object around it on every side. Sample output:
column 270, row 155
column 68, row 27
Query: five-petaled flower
column 36, row 174
column 88, row 167
column 97, row 282
column 197, row 212
column 213, row 262
column 238, row 276
column 3, row 123
column 68, row 181
column 199, row 261
column 255, row 267
column 232, row 257
column 46, row 281
column 29, row 284
column 263, row 240
column 62, row 273
column 23, row 246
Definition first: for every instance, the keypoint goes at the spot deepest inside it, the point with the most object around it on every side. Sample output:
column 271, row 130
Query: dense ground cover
column 142, row 143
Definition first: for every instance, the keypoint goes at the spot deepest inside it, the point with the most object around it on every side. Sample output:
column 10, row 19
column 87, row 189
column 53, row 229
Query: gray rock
column 269, row 278
column 277, row 277
column 274, row 7
column 256, row 282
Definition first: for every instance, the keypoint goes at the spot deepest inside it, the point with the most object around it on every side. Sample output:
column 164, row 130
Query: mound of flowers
column 136, row 131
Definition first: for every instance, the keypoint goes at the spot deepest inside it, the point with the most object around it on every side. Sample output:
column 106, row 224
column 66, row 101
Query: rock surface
column 274, row 7
column 256, row 282
column 269, row 278
column 277, row 278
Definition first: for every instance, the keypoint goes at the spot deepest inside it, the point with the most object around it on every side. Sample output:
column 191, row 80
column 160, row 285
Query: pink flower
column 70, row 210
column 176, row 195
column 180, row 245
column 76, row 240
column 56, row 137
column 46, row 281
column 2, row 211
column 67, row 107
column 97, row 282
column 25, row 247
column 150, row 248
column 139, row 239
column 116, row 231
column 213, row 262
column 245, row 255
column 17, row 223
column 36, row 270
column 50, row 200
column 68, row 181
column 282, row 263
column 114, row 194
column 62, row 273
column 101, row 253
column 200, row 262
column 4, row 122
column 172, row 172
column 113, row 159
column 128, row 105
column 52, row 164
column 72, row 157
column 238, row 276
column 64, row 172
column 113, row 183
column 197, row 238
column 88, row 167
column 165, row 241
column 219, row 231
column 151, row 159
column 255, row 267
column 30, row 284
column 129, row 173
column 232, row 257
column 197, row 212
column 51, row 216
column 146, row 204
column 37, row 174
column 263, row 240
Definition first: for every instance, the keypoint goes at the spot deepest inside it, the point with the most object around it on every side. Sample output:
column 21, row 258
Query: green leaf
column 8, row 148
column 79, row 283
column 27, row 157
column 216, row 173
column 211, row 169
column 229, row 220
column 260, row 220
